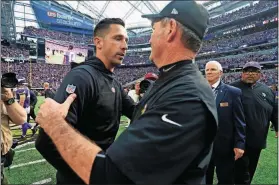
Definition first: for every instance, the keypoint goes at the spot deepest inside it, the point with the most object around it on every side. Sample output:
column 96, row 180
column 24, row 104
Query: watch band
column 10, row 101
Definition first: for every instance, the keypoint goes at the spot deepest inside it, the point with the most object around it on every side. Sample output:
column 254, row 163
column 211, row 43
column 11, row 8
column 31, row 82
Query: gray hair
column 219, row 66
column 189, row 39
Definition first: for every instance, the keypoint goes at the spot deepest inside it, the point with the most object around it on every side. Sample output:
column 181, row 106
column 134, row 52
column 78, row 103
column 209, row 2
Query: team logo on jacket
column 264, row 95
column 70, row 89
column 113, row 89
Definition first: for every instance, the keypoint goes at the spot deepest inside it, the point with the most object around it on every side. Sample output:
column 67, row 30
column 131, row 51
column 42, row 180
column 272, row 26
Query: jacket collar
column 167, row 69
column 97, row 63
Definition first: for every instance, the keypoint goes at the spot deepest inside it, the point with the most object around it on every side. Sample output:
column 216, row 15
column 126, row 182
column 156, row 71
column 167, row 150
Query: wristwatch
column 10, row 101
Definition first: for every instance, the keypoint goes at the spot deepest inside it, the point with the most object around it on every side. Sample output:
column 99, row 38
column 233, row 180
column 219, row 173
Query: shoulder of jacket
column 233, row 88
column 85, row 69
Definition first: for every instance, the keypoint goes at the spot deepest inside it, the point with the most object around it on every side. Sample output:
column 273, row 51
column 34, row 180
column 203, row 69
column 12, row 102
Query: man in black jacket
column 48, row 92
column 173, row 127
column 101, row 99
column 33, row 102
column 260, row 108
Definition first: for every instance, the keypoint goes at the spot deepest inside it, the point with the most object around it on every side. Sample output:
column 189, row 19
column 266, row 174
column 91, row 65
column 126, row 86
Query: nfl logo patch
column 70, row 89
column 113, row 89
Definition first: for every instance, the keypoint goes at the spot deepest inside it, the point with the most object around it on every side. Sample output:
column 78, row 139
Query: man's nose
column 124, row 45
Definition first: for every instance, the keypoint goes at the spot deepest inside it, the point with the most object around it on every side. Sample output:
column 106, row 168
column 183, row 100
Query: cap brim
column 152, row 16
column 250, row 67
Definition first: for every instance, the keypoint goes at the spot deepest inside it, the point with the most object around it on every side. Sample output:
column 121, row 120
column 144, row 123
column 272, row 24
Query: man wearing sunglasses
column 260, row 108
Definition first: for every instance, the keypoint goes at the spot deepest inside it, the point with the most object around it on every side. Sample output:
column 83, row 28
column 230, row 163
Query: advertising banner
column 54, row 15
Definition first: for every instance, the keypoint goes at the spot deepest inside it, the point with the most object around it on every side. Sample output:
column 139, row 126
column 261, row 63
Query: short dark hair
column 104, row 25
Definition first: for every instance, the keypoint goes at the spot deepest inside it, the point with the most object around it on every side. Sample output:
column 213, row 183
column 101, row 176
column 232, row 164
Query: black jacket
column 231, row 128
column 49, row 94
column 260, row 108
column 33, row 99
column 95, row 113
column 171, row 134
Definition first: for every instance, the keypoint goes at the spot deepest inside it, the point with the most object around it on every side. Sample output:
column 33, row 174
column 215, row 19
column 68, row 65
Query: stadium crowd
column 40, row 72
column 246, row 11
column 13, row 51
column 217, row 45
column 32, row 31
column 232, row 42
column 142, row 39
column 240, row 59
column 134, row 40
column 54, row 74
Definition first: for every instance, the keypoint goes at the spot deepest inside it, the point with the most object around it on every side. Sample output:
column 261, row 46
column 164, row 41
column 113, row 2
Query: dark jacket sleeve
column 274, row 116
column 239, row 120
column 33, row 98
column 128, row 105
column 82, row 85
column 166, row 140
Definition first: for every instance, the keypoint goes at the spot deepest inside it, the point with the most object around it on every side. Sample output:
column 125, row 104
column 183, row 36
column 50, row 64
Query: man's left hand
column 238, row 153
column 51, row 112
column 276, row 134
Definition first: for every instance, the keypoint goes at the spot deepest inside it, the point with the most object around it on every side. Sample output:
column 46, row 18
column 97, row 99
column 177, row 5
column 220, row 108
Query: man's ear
column 98, row 41
column 172, row 30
